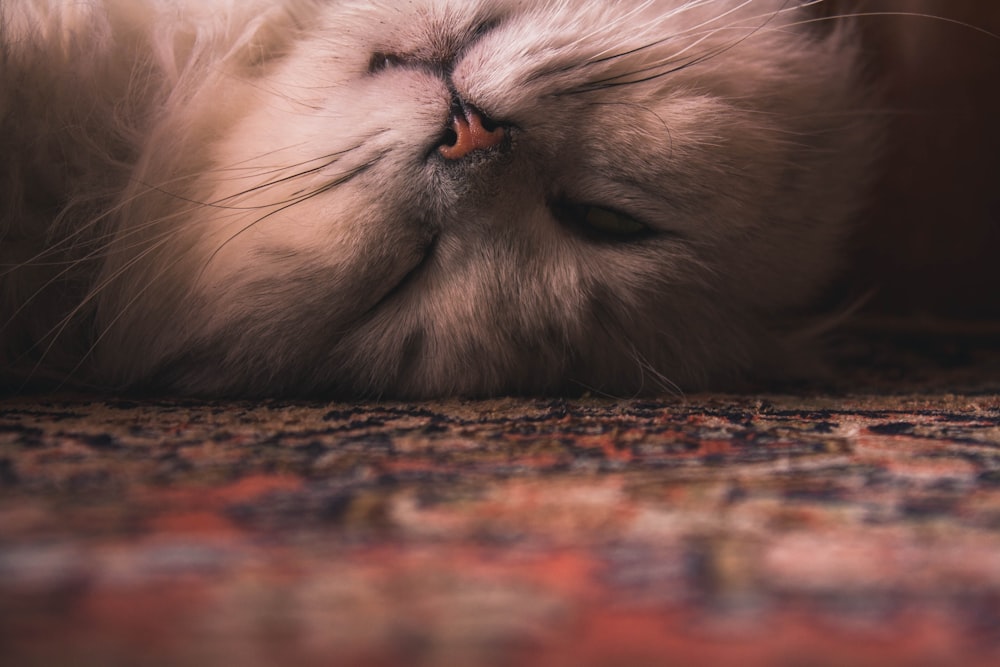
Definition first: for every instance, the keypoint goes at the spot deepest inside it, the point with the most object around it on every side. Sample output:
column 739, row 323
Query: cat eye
column 599, row 220
column 611, row 222
column 380, row 61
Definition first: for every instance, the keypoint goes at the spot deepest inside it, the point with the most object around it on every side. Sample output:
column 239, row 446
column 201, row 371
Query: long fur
column 244, row 197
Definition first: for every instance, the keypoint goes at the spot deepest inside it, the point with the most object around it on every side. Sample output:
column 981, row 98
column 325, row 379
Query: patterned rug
column 858, row 524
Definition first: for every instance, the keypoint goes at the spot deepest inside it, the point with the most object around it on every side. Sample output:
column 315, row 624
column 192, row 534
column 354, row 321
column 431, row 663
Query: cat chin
column 288, row 223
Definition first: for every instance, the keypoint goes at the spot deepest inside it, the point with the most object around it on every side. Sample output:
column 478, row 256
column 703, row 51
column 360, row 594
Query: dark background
column 928, row 243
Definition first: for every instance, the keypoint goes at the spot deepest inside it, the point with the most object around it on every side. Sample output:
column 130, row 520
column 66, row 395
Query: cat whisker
column 627, row 78
column 78, row 238
column 599, row 58
column 596, row 391
column 689, row 31
column 284, row 205
column 624, row 79
column 329, row 160
column 646, row 368
column 56, row 331
column 145, row 245
column 101, row 252
column 919, row 15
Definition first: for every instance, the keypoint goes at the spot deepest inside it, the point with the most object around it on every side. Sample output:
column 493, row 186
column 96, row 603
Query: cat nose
column 470, row 130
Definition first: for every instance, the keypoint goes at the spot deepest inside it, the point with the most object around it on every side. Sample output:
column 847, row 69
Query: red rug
column 859, row 525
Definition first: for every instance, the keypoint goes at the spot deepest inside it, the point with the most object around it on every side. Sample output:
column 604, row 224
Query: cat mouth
column 411, row 276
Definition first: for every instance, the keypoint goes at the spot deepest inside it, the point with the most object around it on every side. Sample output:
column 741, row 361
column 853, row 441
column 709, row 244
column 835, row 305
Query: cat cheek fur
column 287, row 224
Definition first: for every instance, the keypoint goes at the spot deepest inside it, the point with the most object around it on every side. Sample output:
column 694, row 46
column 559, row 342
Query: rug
column 853, row 524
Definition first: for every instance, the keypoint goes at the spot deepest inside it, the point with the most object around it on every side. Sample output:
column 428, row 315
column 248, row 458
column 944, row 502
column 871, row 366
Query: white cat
column 436, row 197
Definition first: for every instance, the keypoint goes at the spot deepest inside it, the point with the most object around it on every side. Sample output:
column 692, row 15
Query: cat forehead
column 431, row 30
column 437, row 30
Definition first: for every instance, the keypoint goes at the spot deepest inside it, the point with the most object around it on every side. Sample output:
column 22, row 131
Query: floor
column 856, row 523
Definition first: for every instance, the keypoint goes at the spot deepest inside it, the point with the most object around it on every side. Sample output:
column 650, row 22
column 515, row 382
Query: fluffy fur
column 244, row 197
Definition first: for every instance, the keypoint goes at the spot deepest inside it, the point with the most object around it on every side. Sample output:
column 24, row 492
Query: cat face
column 474, row 197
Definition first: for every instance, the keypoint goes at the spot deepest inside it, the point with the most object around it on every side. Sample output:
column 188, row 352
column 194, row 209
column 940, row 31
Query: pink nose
column 470, row 135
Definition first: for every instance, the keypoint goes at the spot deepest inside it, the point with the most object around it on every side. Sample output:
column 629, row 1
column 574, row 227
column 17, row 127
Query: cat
column 420, row 199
